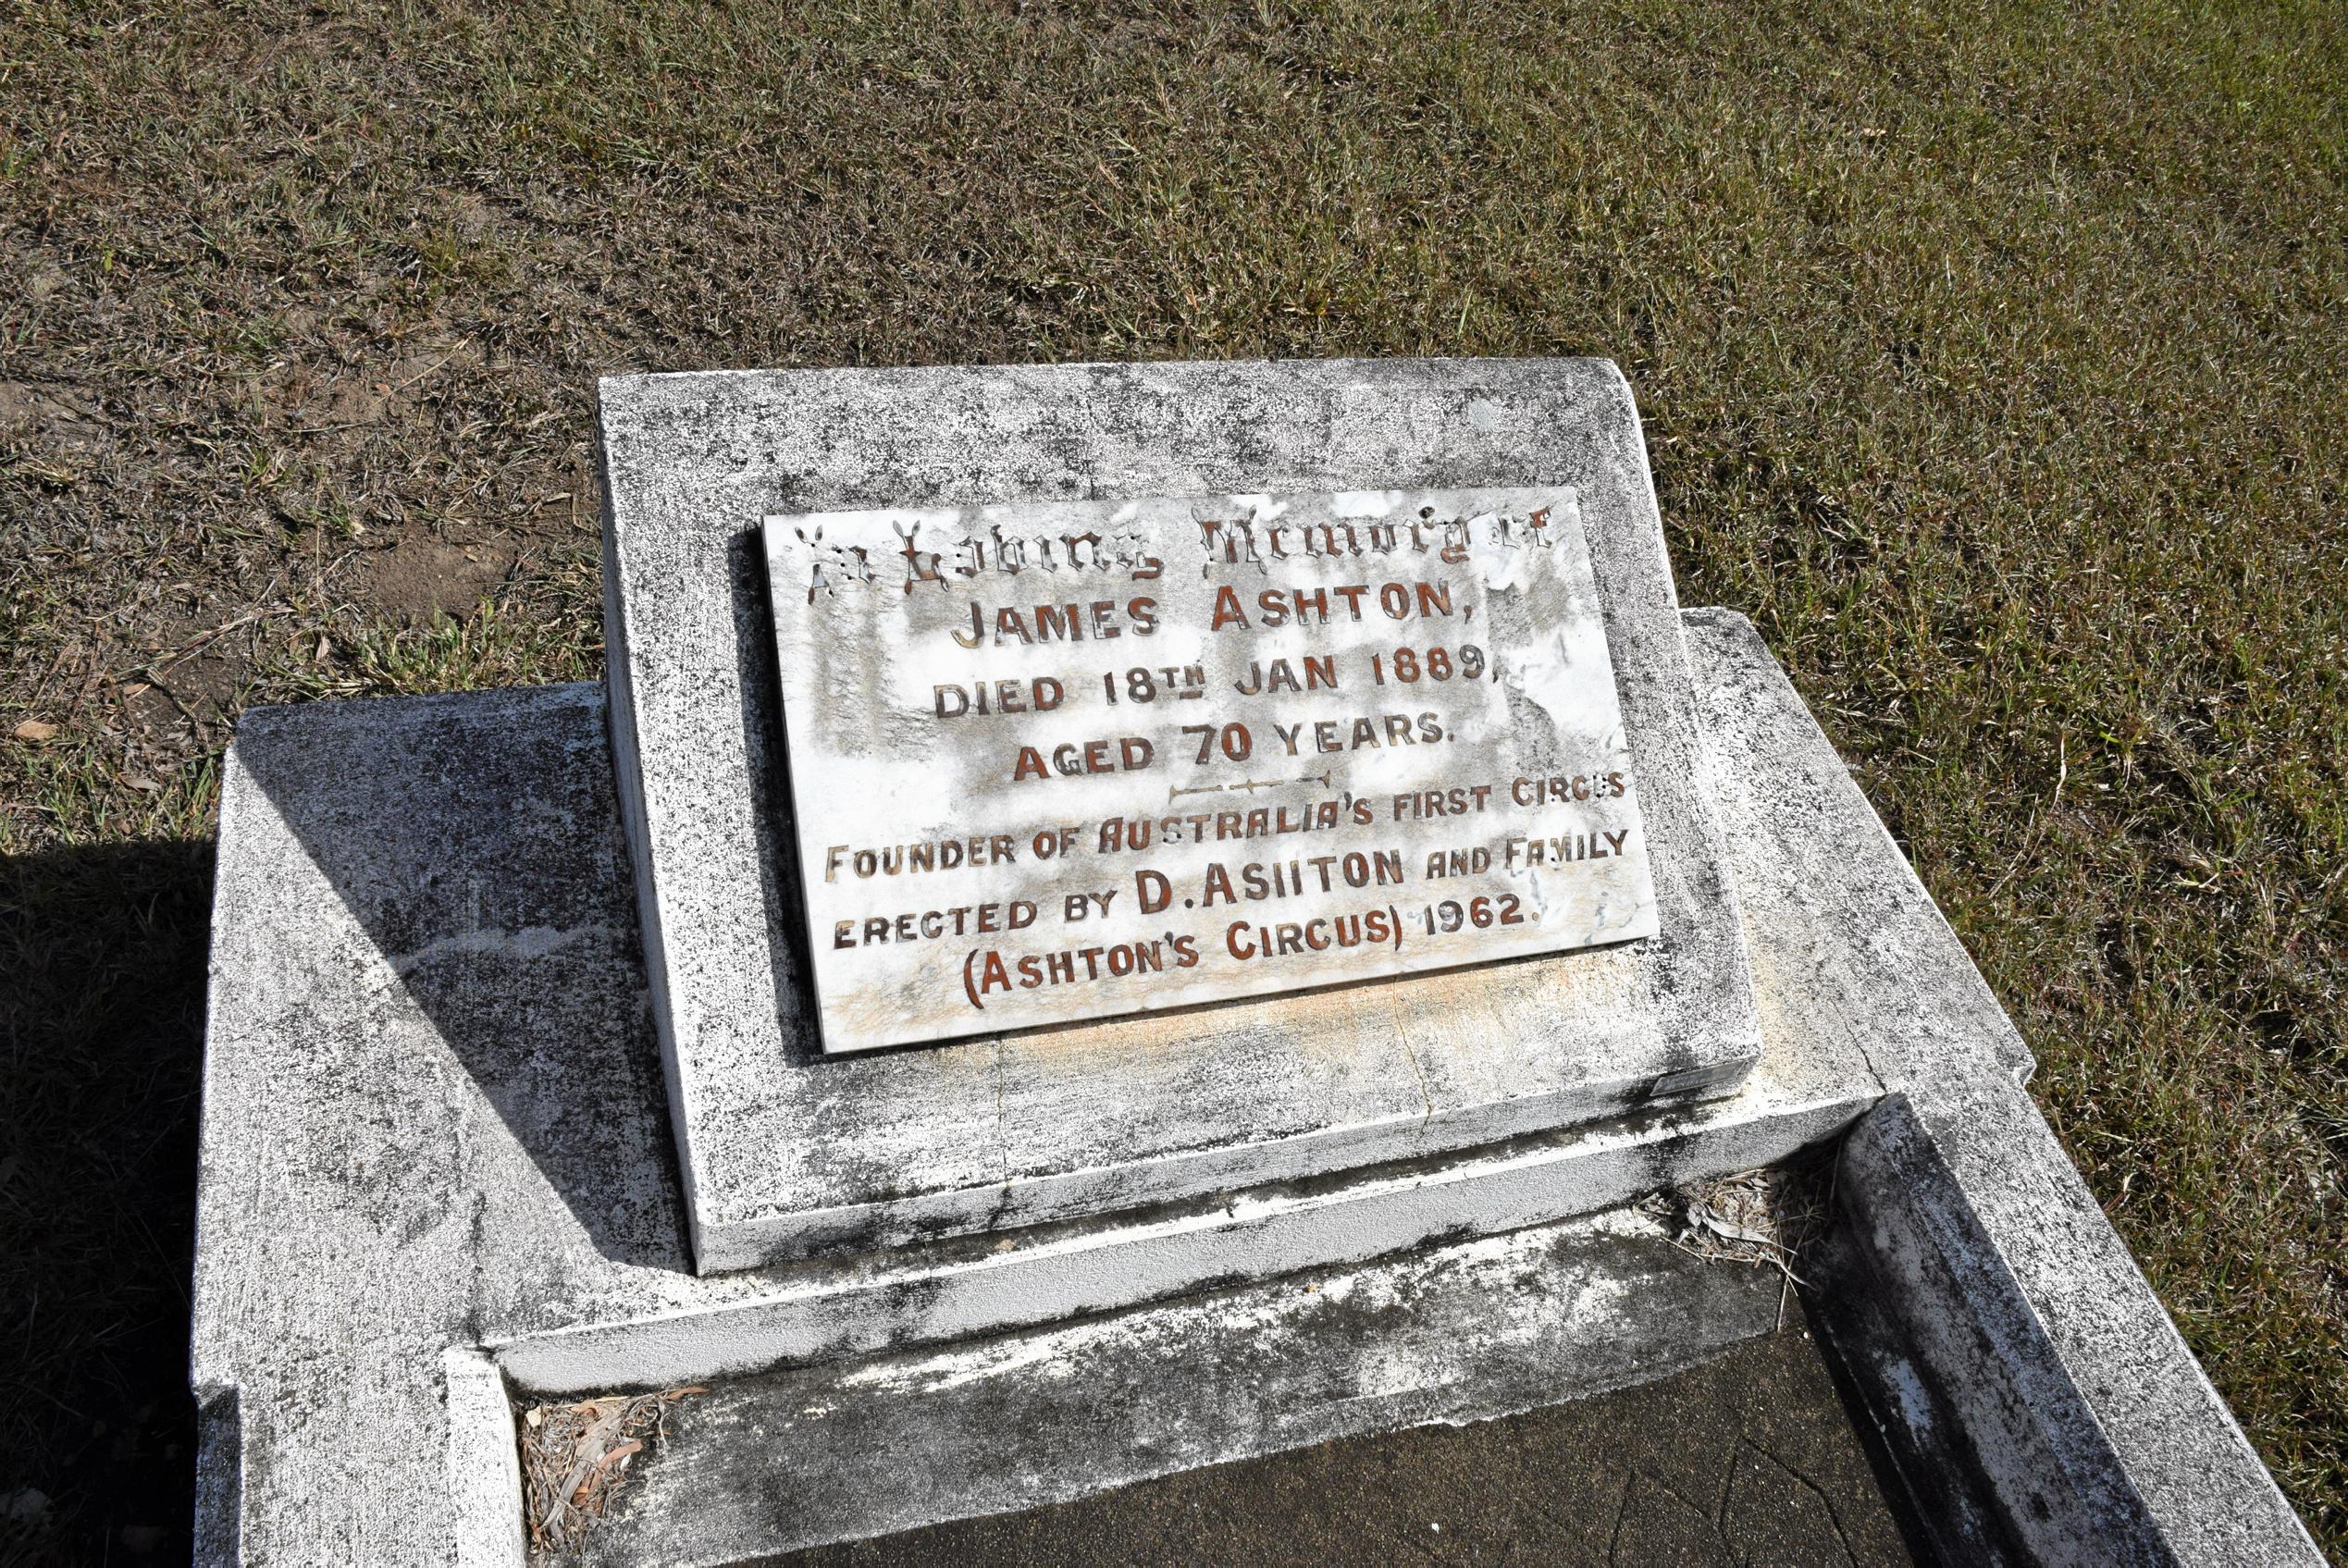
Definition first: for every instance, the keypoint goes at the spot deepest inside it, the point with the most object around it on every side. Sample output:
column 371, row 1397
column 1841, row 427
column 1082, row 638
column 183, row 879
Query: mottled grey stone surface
column 1458, row 1333
column 1744, row 1461
column 434, row 1122
column 784, row 1153
column 1998, row 1273
column 426, row 1042
column 434, row 1119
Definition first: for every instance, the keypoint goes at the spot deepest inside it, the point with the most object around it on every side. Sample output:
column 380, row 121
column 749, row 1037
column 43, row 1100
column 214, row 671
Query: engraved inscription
column 1059, row 761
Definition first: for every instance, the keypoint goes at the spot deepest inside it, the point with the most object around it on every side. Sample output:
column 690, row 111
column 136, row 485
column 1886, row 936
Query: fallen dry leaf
column 579, row 1498
column 33, row 729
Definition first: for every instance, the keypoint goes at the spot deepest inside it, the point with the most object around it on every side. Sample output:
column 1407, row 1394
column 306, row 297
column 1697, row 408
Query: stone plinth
column 785, row 1153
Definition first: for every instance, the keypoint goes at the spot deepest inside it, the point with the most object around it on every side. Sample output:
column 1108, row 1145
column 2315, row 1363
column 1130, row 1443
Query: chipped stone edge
column 619, row 722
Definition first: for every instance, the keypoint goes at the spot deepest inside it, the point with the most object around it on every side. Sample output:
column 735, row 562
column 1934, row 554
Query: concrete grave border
column 433, row 1178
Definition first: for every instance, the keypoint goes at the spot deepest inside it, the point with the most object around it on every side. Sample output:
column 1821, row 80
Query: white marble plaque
column 1061, row 761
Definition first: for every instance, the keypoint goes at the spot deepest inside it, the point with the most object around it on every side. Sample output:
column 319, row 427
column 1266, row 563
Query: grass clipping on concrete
column 1991, row 359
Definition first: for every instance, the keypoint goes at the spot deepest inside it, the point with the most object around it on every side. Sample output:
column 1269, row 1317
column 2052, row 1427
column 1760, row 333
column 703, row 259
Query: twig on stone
column 575, row 1456
column 1754, row 1216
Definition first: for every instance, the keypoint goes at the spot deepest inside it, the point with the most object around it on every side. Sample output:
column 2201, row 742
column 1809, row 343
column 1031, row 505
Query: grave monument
column 1078, row 875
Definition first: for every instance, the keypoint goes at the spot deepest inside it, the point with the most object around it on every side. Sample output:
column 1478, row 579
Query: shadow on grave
column 102, row 977
column 475, row 838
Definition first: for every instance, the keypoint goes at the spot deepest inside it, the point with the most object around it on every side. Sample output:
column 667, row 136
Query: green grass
column 1992, row 358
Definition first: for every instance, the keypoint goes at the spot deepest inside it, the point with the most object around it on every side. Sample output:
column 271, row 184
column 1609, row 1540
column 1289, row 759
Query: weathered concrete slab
column 1749, row 1458
column 779, row 1159
column 434, row 1121
column 1455, row 1334
column 1053, row 761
